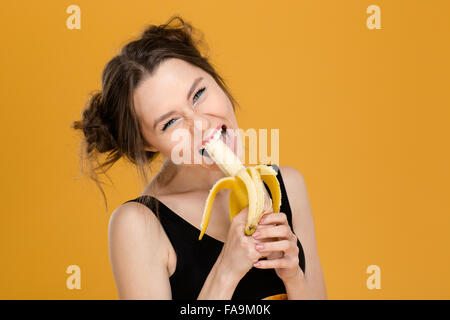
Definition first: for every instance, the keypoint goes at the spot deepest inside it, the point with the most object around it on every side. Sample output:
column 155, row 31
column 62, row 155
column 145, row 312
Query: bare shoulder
column 296, row 189
column 292, row 178
column 138, row 253
column 134, row 218
column 297, row 194
column 303, row 224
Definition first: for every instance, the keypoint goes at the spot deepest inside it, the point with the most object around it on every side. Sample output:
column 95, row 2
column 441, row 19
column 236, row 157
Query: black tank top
column 195, row 258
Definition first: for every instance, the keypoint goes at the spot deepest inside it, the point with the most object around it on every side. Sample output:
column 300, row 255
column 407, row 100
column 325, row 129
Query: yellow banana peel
column 281, row 296
column 245, row 183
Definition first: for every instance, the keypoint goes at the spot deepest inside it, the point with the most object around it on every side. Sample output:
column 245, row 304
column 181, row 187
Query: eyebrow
column 168, row 114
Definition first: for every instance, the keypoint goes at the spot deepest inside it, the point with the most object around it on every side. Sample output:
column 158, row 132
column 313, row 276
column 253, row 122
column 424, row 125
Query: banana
column 246, row 185
column 281, row 296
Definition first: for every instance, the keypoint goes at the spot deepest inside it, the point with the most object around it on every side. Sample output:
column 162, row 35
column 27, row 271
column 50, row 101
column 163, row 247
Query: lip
column 209, row 136
column 212, row 134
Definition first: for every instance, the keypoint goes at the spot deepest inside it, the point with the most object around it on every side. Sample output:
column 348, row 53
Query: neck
column 174, row 178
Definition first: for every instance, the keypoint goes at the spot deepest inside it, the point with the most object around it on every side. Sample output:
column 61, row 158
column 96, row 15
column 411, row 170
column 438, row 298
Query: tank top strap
column 182, row 234
column 149, row 201
column 285, row 207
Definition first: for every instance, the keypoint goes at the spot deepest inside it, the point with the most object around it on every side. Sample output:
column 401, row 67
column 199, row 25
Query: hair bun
column 97, row 134
column 92, row 114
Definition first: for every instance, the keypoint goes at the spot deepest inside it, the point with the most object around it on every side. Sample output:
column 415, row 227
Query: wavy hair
column 109, row 122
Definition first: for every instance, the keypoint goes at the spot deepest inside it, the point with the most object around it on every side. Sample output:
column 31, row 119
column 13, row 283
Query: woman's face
column 179, row 105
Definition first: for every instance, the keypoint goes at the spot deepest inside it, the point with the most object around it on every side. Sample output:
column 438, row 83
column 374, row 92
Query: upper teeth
column 217, row 135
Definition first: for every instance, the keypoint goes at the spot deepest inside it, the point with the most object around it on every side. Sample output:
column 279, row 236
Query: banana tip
column 250, row 230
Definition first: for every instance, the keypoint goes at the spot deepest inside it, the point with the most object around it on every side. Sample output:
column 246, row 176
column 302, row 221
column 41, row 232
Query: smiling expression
column 177, row 97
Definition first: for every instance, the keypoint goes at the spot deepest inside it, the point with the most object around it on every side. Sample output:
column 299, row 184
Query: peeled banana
column 246, row 185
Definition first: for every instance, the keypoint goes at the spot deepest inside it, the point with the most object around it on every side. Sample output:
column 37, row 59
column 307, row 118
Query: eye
column 200, row 90
column 197, row 95
column 168, row 123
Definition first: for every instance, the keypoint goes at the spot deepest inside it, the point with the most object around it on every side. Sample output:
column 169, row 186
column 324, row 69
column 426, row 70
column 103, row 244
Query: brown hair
column 109, row 121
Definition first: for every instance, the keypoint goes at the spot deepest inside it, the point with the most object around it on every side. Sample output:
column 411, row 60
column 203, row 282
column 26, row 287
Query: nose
column 201, row 124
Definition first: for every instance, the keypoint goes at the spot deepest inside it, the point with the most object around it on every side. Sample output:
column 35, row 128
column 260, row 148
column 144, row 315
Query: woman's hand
column 278, row 243
column 239, row 252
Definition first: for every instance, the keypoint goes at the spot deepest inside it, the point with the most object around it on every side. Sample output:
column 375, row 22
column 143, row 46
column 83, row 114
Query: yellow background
column 363, row 115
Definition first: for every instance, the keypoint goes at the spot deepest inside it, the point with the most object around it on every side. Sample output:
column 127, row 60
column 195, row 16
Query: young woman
column 157, row 84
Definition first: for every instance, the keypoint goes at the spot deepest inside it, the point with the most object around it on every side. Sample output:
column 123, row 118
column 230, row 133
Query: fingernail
column 259, row 246
column 257, row 264
column 256, row 234
column 261, row 221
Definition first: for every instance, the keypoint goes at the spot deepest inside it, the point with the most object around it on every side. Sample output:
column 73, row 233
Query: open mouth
column 222, row 135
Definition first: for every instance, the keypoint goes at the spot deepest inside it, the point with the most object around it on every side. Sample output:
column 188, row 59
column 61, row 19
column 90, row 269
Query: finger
column 249, row 244
column 279, row 231
column 285, row 262
column 288, row 247
column 275, row 255
column 266, row 240
column 274, row 218
column 260, row 227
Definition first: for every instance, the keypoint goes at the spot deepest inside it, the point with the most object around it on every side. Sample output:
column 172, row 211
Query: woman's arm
column 137, row 253
column 220, row 283
column 139, row 257
column 303, row 224
column 236, row 258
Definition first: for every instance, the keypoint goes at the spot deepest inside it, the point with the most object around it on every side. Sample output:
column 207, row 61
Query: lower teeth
column 203, row 152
